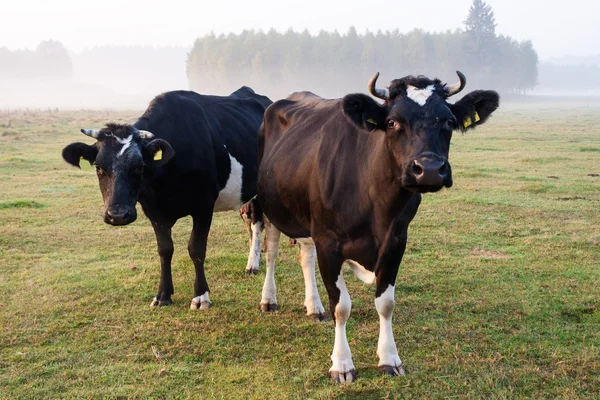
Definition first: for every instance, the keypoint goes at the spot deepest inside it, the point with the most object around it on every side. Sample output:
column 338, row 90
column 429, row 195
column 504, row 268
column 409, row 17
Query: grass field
column 498, row 295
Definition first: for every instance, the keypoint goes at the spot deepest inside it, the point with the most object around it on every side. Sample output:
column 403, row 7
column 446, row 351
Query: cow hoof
column 318, row 317
column 251, row 271
column 268, row 307
column 203, row 305
column 343, row 377
column 160, row 303
column 393, row 371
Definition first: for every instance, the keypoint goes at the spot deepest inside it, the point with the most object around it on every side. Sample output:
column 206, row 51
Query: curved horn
column 146, row 134
column 380, row 93
column 458, row 86
column 91, row 132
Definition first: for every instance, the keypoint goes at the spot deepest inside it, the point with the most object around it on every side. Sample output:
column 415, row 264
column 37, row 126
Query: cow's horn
column 91, row 132
column 458, row 86
column 380, row 93
column 145, row 134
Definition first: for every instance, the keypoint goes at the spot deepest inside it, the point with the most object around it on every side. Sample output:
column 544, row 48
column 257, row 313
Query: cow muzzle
column 429, row 173
column 120, row 215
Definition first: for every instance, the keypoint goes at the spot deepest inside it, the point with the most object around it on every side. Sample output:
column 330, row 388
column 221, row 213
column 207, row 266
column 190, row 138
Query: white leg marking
column 341, row 356
column 126, row 143
column 200, row 302
column 308, row 259
column 230, row 197
column 361, row 272
column 386, row 346
column 154, row 303
column 253, row 264
column 269, row 291
column 417, row 95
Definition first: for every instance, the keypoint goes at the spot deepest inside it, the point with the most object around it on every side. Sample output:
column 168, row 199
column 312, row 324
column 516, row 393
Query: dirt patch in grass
column 482, row 253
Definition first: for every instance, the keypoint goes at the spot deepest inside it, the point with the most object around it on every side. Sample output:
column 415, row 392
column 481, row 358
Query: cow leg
column 330, row 266
column 165, row 251
column 389, row 361
column 312, row 301
column 269, row 291
column 253, row 219
column 197, row 251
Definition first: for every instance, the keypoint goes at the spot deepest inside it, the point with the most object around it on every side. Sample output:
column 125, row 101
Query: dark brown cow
column 345, row 178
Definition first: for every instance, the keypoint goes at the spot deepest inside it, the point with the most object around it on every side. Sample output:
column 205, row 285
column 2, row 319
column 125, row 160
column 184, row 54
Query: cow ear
column 158, row 152
column 75, row 152
column 364, row 111
column 475, row 108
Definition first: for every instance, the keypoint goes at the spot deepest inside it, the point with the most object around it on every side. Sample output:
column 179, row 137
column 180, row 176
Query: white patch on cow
column 361, row 272
column 269, row 291
column 386, row 346
column 126, row 143
column 341, row 356
column 254, row 255
column 230, row 197
column 199, row 300
column 308, row 260
column 419, row 96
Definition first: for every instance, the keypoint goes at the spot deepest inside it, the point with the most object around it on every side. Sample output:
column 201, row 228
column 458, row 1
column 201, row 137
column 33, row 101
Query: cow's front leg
column 165, row 251
column 330, row 265
column 268, row 301
column 389, row 262
column 253, row 220
column 197, row 251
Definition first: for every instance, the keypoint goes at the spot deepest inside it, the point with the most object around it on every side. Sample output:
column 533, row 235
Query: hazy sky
column 556, row 27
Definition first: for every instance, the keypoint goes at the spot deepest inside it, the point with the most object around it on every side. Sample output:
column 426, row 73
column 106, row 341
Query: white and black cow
column 188, row 154
column 345, row 177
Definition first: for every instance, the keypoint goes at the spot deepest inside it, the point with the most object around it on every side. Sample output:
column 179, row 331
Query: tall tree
column 480, row 44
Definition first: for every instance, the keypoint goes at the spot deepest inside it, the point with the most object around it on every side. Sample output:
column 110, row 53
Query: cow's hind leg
column 253, row 219
column 312, row 300
column 268, row 301
column 165, row 251
column 197, row 251
column 330, row 266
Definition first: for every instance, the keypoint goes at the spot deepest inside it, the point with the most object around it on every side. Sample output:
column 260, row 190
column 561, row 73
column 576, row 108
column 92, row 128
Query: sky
column 555, row 28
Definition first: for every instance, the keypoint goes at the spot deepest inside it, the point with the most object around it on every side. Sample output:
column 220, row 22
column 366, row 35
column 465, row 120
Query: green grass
column 498, row 295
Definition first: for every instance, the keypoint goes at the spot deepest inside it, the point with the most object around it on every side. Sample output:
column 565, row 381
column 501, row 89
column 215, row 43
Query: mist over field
column 483, row 40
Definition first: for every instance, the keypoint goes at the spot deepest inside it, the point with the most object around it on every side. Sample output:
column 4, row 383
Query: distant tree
column 480, row 44
column 53, row 60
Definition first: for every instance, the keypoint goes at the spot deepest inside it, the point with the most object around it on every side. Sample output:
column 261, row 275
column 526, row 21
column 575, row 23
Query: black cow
column 345, row 178
column 188, row 154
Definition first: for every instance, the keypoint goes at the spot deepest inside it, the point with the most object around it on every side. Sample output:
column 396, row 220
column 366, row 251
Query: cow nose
column 430, row 172
column 118, row 216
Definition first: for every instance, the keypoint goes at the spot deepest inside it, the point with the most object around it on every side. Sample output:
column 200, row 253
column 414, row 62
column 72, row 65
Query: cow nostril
column 417, row 169
column 444, row 169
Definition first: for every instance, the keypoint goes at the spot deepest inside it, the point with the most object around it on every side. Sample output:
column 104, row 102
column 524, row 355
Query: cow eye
column 99, row 171
column 392, row 124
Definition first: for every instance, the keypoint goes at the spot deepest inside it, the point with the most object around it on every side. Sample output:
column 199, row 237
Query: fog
column 121, row 54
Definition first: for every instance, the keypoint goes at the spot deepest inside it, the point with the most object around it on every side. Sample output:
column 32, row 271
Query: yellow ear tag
column 467, row 122
column 372, row 121
column 84, row 164
column 158, row 155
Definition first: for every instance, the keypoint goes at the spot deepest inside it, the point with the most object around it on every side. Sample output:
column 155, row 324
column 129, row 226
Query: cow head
column 418, row 123
column 123, row 155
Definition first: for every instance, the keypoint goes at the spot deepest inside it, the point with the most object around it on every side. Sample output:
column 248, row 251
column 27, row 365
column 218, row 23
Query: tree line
column 50, row 59
column 332, row 64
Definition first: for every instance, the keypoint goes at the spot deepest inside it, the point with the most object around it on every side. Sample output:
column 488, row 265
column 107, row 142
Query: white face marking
column 419, row 96
column 361, row 272
column 126, row 143
column 269, row 291
column 341, row 356
column 308, row 259
column 230, row 197
column 386, row 346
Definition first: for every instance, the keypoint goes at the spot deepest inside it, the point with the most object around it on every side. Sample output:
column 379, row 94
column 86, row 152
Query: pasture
column 498, row 295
